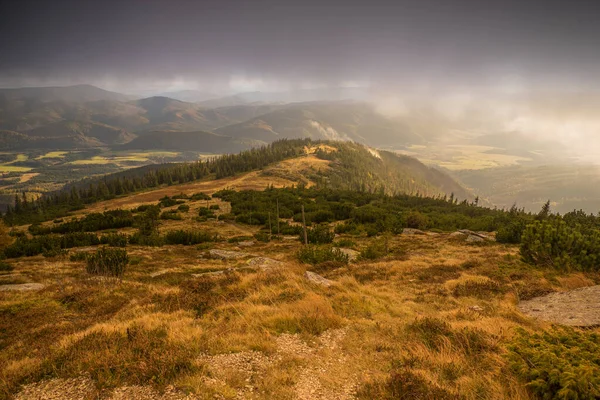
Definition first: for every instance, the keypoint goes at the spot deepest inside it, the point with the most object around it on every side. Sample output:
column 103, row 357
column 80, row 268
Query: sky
column 226, row 46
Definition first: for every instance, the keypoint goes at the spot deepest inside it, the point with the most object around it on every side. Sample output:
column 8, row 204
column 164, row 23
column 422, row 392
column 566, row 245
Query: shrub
column 350, row 228
column 558, row 364
column 227, row 217
column 511, row 232
column 171, row 215
column 205, row 212
column 214, row 207
column 183, row 208
column 49, row 244
column 345, row 243
column 153, row 240
column 553, row 243
column 200, row 196
column 320, row 234
column 5, row 267
column 262, row 237
column 107, row 262
column 189, row 237
column 79, row 256
column 416, row 220
column 168, row 202
column 237, row 239
column 323, row 216
column 319, row 254
column 114, row 239
column 375, row 249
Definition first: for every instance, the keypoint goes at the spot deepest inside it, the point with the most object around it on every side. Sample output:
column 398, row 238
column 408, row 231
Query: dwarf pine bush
column 553, row 243
column 558, row 364
column 318, row 254
column 107, row 262
column 320, row 234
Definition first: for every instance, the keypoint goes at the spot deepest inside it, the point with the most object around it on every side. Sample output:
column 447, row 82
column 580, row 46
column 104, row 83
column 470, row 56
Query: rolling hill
column 189, row 141
column 100, row 133
column 76, row 93
column 326, row 120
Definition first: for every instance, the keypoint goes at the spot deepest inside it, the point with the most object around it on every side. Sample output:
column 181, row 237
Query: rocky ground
column 579, row 307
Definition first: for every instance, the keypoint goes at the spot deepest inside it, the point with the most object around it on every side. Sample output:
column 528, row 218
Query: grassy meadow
column 433, row 317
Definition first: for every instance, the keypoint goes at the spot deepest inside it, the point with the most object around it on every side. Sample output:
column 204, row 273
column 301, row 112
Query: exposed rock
column 579, row 307
column 246, row 243
column 22, row 287
column 226, row 254
column 412, row 231
column 482, row 235
column 474, row 238
column 74, row 388
column 317, row 279
column 476, row 308
column 264, row 263
column 212, row 273
column 159, row 273
column 352, row 254
column 458, row 234
column 289, row 237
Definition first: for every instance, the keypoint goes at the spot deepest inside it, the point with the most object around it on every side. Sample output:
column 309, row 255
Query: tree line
column 74, row 197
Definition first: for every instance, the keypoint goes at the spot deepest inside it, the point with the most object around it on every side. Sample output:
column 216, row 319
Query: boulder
column 412, row 231
column 226, row 254
column 474, row 238
column 457, row 234
column 22, row 287
column 317, row 279
column 264, row 263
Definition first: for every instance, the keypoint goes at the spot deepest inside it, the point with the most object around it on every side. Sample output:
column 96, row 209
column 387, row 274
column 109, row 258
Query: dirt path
column 321, row 378
column 579, row 307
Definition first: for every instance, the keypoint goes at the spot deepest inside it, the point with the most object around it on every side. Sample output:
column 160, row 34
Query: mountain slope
column 325, row 120
column 95, row 133
column 337, row 165
column 76, row 93
column 190, row 141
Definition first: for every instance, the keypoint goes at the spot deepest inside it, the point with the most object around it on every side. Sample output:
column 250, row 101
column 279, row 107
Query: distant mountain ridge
column 76, row 93
column 85, row 116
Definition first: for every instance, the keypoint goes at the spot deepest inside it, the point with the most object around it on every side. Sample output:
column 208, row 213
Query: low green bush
column 563, row 363
column 200, row 196
column 319, row 254
column 114, row 239
column 189, row 237
column 320, row 234
column 553, row 243
column 171, row 215
column 107, row 262
column 206, row 212
column 375, row 249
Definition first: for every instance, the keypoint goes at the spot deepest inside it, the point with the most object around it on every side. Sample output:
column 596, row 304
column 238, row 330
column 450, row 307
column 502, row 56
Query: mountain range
column 84, row 116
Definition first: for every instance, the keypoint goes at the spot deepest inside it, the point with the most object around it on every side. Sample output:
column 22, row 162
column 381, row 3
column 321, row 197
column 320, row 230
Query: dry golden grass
column 282, row 174
column 407, row 320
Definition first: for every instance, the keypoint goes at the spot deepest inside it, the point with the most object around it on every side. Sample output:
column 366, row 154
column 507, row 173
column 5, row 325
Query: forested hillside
column 352, row 166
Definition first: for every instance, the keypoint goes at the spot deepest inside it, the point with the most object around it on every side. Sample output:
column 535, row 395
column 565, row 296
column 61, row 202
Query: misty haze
column 299, row 200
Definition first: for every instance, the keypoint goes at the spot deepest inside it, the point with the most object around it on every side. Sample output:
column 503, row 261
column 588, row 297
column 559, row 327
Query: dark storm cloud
column 456, row 42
